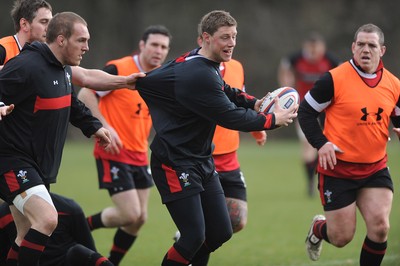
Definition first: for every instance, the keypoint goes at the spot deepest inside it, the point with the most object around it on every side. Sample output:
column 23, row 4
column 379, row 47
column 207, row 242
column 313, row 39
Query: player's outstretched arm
column 100, row 80
column 5, row 109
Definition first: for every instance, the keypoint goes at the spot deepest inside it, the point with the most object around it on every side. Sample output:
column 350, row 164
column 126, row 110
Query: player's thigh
column 341, row 223
column 375, row 205
column 126, row 200
column 143, row 195
column 41, row 213
column 21, row 222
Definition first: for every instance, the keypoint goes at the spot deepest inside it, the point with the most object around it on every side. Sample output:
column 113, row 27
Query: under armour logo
column 55, row 82
column 139, row 105
column 366, row 114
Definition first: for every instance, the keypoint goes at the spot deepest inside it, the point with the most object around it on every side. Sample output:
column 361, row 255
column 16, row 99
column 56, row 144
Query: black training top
column 187, row 97
column 34, row 133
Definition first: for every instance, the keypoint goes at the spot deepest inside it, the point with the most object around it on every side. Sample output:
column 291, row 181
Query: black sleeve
column 81, row 117
column 207, row 97
column 111, row 69
column 395, row 117
column 239, row 97
column 2, row 55
column 319, row 96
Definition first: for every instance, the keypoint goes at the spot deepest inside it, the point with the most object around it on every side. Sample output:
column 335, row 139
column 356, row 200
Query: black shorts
column 336, row 193
column 15, row 182
column 118, row 177
column 179, row 182
column 233, row 184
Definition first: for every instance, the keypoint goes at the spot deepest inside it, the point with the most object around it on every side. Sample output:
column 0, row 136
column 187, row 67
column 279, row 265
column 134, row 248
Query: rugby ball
column 287, row 97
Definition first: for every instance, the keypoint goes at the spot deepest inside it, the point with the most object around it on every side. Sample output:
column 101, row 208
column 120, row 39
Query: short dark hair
column 313, row 37
column 63, row 24
column 156, row 29
column 26, row 9
column 213, row 20
column 371, row 28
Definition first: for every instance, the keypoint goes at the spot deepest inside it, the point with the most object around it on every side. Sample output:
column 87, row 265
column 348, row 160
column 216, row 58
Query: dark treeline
column 268, row 29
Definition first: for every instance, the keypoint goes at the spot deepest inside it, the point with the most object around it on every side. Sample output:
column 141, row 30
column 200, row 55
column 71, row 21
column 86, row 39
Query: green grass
column 280, row 211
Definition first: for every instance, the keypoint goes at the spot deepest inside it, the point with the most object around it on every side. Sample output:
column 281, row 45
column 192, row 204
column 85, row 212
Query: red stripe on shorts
column 321, row 188
column 172, row 179
column 11, row 181
column 106, row 170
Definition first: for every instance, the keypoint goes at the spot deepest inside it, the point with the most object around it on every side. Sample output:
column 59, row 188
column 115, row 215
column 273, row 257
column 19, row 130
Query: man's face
column 367, row 51
column 314, row 50
column 38, row 27
column 154, row 51
column 75, row 46
column 222, row 43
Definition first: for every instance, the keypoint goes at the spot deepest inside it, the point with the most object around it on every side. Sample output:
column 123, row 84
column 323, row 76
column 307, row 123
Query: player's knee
column 135, row 217
column 142, row 219
column 340, row 240
column 381, row 230
column 47, row 223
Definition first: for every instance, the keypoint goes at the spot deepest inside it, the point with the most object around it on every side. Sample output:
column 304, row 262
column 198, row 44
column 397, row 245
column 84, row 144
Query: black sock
column 94, row 221
column 32, row 248
column 122, row 242
column 202, row 256
column 201, row 261
column 320, row 230
column 372, row 253
column 12, row 256
column 310, row 170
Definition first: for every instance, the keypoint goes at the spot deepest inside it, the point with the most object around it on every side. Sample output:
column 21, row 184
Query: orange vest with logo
column 227, row 140
column 11, row 46
column 126, row 111
column 357, row 121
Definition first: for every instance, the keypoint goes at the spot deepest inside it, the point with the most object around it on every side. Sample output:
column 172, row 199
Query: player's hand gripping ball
column 287, row 97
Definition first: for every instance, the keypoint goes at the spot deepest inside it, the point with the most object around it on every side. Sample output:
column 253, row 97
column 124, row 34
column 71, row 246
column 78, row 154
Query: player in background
column 187, row 98
column 124, row 169
column 359, row 97
column 226, row 144
column 71, row 243
column 37, row 103
column 300, row 70
column 30, row 18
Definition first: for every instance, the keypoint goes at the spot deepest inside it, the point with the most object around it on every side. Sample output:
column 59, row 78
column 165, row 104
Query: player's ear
column 206, row 37
column 141, row 45
column 24, row 24
column 61, row 40
column 383, row 50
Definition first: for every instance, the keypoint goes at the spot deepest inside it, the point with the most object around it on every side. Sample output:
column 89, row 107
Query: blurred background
column 267, row 29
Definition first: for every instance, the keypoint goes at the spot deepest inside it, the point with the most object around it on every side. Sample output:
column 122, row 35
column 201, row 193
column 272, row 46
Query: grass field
column 280, row 212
